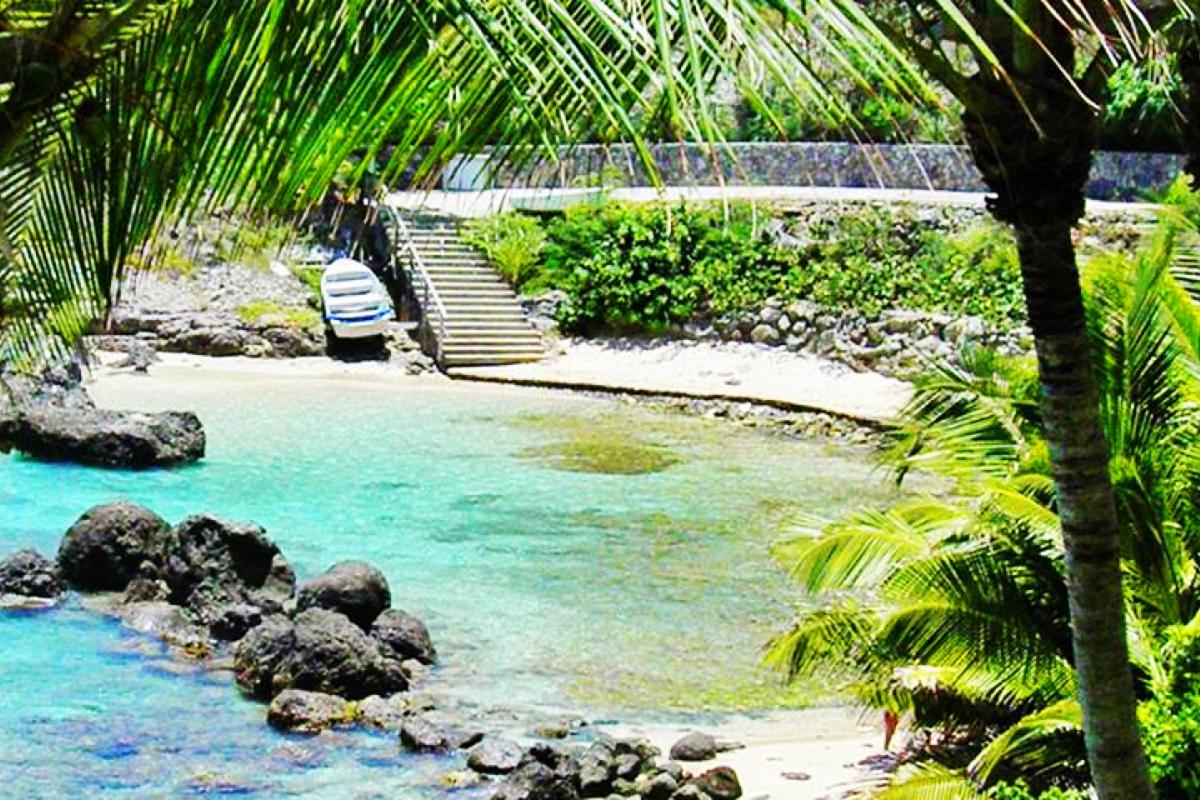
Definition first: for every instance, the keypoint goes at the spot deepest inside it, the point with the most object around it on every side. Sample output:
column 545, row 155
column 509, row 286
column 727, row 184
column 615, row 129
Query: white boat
column 356, row 303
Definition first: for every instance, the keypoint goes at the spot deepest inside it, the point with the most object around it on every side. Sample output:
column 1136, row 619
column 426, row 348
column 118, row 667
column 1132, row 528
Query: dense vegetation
column 950, row 614
column 645, row 268
column 1142, row 112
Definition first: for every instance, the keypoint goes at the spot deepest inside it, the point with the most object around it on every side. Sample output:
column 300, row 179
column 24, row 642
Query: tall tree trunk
column 1079, row 453
column 1038, row 172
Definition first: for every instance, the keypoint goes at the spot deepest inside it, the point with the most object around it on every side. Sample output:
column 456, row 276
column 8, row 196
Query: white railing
column 418, row 277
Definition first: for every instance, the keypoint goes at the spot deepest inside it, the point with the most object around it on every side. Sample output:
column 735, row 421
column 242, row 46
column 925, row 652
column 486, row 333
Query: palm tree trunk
column 1079, row 455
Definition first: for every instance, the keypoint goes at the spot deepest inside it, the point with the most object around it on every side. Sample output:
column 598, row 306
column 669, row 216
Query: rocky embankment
column 52, row 418
column 221, row 308
column 330, row 652
column 897, row 343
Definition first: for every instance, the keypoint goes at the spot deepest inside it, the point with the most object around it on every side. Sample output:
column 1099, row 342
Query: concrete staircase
column 481, row 322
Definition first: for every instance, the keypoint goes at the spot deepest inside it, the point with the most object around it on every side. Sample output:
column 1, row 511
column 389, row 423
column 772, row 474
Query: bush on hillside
column 644, row 268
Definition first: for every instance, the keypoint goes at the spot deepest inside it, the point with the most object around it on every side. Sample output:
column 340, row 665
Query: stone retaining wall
column 1115, row 176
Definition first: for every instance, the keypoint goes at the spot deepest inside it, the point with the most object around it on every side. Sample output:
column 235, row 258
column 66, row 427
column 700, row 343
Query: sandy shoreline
column 738, row 373
column 817, row 754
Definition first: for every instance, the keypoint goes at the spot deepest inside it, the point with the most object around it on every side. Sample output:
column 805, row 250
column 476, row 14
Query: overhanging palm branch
column 187, row 106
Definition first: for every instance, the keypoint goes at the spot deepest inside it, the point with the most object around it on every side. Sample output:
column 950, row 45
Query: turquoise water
column 548, row 588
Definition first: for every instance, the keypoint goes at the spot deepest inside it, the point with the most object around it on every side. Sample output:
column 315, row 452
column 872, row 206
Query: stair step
column 484, row 322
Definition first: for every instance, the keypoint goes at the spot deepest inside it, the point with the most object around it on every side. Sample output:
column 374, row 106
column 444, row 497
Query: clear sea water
column 641, row 591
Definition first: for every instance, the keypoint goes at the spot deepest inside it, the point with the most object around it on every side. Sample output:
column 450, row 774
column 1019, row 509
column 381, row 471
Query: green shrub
column 1021, row 791
column 647, row 267
column 513, row 242
column 268, row 311
column 1171, row 720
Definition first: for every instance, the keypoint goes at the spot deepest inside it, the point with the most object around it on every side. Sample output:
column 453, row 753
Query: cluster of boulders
column 896, row 343
column 213, row 333
column 207, row 584
column 51, row 417
column 325, row 653
column 605, row 768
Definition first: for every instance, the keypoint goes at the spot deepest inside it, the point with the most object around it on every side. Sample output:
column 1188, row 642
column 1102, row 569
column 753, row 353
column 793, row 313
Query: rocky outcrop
column 53, row 419
column 404, row 636
column 228, row 574
column 609, row 768
column 29, row 574
column 114, row 439
column 320, row 651
column 355, row 589
column 309, row 712
column 214, row 333
column 105, row 548
column 897, row 342
column 543, row 773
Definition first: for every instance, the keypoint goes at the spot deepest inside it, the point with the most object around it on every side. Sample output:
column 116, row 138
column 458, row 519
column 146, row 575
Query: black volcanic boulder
column 544, row 773
column 30, row 574
column 319, row 651
column 105, row 547
column 228, row 574
column 353, row 588
column 105, row 438
column 404, row 636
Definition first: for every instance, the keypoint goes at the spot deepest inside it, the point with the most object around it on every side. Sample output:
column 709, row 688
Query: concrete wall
column 1115, row 176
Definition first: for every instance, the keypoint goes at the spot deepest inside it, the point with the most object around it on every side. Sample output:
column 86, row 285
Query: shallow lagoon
column 570, row 556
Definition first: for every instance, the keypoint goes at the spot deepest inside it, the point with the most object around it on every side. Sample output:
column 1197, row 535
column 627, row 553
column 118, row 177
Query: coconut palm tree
column 116, row 115
column 952, row 613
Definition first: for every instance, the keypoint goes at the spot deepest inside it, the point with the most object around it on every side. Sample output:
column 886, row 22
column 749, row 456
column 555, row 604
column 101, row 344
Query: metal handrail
column 419, row 274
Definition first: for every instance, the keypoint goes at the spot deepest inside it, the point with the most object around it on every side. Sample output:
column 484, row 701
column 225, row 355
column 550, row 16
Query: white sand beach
column 694, row 369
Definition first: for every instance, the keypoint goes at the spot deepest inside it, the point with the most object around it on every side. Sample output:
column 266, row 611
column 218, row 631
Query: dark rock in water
column 494, row 756
column 719, row 783
column 166, row 622
column 308, row 712
column 232, row 622
column 597, row 770
column 694, row 747
column 435, row 732
column 264, row 653
column 228, row 574
column 30, row 574
column 51, row 417
column 105, row 547
column 104, row 438
column 404, row 636
column 353, row 588
column 319, row 651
